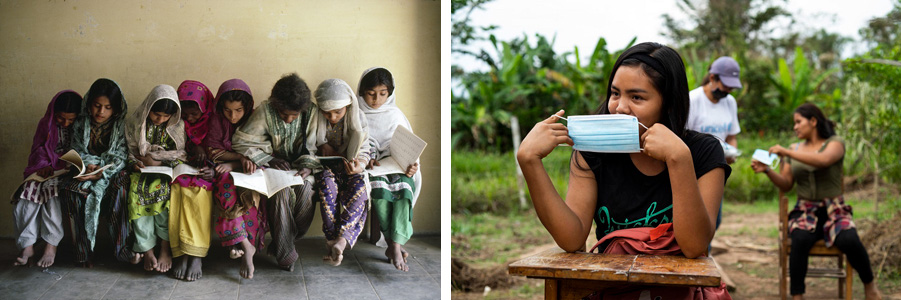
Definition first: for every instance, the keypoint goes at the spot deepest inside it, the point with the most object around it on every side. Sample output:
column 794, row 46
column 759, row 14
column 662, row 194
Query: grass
column 485, row 239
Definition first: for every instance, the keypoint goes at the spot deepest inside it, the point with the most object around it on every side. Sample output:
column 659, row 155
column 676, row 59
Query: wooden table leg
column 551, row 289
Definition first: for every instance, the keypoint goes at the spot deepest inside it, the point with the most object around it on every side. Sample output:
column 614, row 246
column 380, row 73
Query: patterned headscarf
column 330, row 95
column 175, row 128
column 46, row 138
column 191, row 90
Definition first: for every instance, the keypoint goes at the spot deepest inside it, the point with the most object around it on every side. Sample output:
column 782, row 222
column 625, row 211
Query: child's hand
column 411, row 170
column 304, row 172
column 662, row 144
column 778, row 150
column 249, row 165
column 148, row 161
column 327, row 150
column 45, row 171
column 542, row 139
column 372, row 163
column 223, row 168
column 199, row 154
column 138, row 166
column 355, row 168
column 280, row 164
column 207, row 173
column 758, row 166
column 89, row 169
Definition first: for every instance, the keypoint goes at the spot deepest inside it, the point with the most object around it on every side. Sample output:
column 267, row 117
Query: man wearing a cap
column 712, row 109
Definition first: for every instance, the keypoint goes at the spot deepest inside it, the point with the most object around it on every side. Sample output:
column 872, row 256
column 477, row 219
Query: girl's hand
column 542, row 139
column 356, row 167
column 280, row 164
column 411, row 170
column 45, row 171
column 207, row 173
column 223, row 168
column 778, row 150
column 249, row 165
column 662, row 144
column 372, row 163
column 758, row 167
column 304, row 172
column 148, row 161
column 89, row 169
column 138, row 166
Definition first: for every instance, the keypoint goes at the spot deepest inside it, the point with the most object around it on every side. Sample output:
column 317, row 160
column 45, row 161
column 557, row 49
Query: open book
column 73, row 158
column 173, row 173
column 405, row 147
column 267, row 181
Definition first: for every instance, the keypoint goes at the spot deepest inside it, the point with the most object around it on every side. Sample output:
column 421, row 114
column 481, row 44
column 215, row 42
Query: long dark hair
column 108, row 88
column 68, row 102
column 165, row 105
column 825, row 127
column 670, row 82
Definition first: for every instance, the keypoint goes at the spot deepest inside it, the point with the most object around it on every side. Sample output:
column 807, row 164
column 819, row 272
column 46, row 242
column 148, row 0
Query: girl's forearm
column 692, row 224
column 561, row 222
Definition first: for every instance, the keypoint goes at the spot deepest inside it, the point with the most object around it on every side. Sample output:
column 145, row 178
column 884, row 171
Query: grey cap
column 728, row 70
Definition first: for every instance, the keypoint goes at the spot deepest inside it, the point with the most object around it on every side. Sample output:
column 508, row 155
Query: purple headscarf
column 219, row 138
column 46, row 138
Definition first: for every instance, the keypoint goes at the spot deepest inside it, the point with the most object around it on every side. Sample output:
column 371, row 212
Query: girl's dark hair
column 188, row 103
column 672, row 83
column 166, row 106
column 68, row 102
column 377, row 77
column 108, row 88
column 236, row 95
column 291, row 93
column 707, row 78
column 825, row 127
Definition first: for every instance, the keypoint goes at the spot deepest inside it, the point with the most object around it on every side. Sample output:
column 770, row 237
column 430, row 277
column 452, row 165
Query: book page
column 405, row 147
column 387, row 166
column 98, row 170
column 255, row 181
column 158, row 170
column 278, row 180
column 184, row 169
column 35, row 177
column 73, row 158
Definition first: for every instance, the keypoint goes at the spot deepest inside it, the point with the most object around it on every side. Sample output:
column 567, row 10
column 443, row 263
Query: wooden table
column 575, row 275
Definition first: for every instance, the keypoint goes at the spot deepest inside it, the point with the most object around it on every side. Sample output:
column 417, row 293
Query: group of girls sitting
column 216, row 135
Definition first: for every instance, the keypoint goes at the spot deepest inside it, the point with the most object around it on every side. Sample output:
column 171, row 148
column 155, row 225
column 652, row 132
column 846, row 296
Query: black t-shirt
column 629, row 199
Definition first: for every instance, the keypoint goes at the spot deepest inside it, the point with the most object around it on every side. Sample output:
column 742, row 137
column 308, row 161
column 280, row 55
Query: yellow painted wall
column 48, row 46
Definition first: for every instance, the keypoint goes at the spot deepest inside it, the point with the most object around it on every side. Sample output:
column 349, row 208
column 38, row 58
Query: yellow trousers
column 190, row 210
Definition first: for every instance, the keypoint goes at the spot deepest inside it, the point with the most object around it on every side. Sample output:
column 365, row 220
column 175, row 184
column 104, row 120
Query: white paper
column 74, row 159
column 764, row 157
column 267, row 181
column 405, row 147
column 181, row 169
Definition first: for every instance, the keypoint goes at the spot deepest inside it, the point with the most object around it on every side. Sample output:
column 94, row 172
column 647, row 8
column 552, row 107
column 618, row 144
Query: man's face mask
column 719, row 94
column 604, row 133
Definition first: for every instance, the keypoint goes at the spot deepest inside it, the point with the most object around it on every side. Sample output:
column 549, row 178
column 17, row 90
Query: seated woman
column 821, row 213
column 678, row 176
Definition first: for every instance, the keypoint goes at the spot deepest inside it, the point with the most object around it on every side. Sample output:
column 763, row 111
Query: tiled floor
column 364, row 274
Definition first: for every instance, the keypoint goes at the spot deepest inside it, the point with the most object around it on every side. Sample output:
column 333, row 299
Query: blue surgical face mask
column 605, row 133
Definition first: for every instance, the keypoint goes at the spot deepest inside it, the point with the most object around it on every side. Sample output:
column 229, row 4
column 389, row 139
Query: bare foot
column 194, row 271
column 180, row 267
column 49, row 256
column 336, row 251
column 24, row 256
column 150, row 262
column 236, row 252
column 247, row 265
column 872, row 292
column 137, row 258
column 165, row 258
column 396, row 256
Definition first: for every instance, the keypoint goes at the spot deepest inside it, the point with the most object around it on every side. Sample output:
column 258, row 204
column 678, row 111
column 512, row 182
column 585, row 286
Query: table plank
column 674, row 270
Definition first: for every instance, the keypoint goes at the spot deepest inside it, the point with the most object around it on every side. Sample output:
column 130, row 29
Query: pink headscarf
column 43, row 148
column 221, row 130
column 191, row 90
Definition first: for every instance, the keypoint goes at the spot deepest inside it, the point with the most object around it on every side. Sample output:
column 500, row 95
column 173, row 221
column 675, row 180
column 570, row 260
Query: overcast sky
column 581, row 23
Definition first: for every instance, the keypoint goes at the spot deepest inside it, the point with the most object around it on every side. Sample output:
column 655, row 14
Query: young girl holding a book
column 37, row 212
column 393, row 194
column 156, row 136
column 191, row 203
column 338, row 128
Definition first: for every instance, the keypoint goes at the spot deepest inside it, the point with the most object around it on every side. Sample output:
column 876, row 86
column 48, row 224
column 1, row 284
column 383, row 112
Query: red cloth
column 660, row 240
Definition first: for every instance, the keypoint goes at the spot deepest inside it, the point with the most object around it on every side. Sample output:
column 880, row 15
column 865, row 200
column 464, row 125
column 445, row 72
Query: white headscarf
column 334, row 94
column 383, row 120
column 136, row 127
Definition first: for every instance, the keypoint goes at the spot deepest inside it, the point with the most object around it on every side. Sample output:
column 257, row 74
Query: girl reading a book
column 241, row 224
column 191, row 203
column 156, row 136
column 36, row 212
column 393, row 195
column 274, row 136
column 99, row 138
column 338, row 128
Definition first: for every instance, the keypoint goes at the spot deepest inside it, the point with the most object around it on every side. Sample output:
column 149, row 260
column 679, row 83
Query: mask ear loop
column 645, row 128
column 563, row 117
